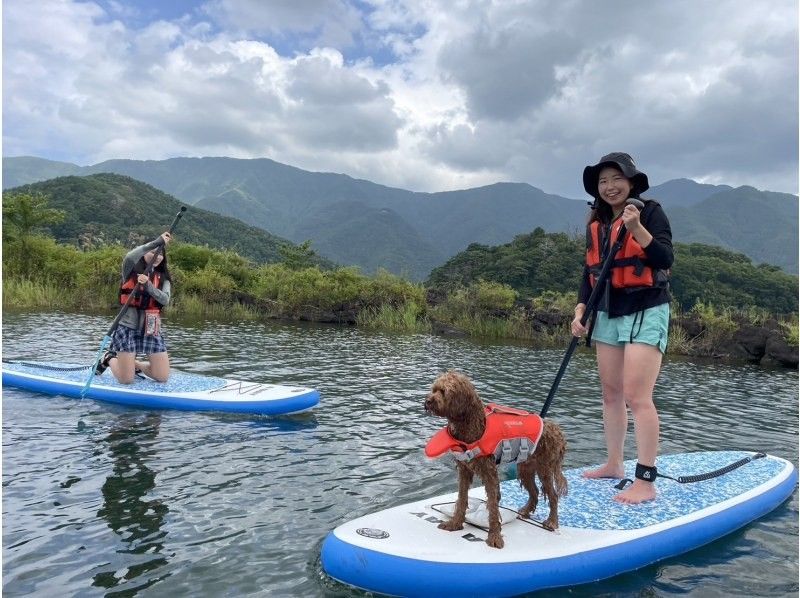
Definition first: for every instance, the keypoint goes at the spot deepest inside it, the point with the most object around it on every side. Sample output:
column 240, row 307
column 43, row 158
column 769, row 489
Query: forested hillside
column 106, row 209
column 524, row 289
column 542, row 261
column 375, row 238
column 409, row 232
column 761, row 224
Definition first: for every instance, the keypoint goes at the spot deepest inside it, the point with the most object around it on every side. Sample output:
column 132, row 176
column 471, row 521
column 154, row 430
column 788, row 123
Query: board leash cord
column 44, row 366
column 53, row 368
column 689, row 479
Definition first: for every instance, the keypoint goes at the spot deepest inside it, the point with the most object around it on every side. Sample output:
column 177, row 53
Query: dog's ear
column 461, row 397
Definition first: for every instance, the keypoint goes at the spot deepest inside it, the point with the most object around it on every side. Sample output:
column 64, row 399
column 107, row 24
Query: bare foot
column 639, row 492
column 605, row 471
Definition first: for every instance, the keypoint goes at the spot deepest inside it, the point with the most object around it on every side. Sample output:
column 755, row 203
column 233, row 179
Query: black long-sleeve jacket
column 622, row 302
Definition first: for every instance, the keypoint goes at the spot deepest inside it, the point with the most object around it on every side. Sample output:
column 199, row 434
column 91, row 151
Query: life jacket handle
column 495, row 408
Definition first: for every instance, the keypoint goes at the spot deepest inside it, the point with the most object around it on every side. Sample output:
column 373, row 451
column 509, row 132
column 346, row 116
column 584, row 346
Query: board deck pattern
column 589, row 504
column 184, row 391
column 178, row 381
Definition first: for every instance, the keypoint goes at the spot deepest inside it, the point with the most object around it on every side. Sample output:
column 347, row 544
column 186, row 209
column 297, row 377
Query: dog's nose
column 429, row 404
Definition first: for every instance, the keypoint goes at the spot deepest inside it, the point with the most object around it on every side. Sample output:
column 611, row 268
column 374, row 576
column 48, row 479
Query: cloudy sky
column 428, row 95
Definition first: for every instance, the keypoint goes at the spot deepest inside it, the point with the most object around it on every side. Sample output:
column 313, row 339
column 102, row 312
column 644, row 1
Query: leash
column 690, row 479
column 44, row 366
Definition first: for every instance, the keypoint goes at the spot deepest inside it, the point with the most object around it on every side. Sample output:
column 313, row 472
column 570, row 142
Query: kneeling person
column 139, row 331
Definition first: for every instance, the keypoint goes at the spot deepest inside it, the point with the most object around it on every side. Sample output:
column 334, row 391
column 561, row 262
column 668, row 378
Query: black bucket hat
column 625, row 164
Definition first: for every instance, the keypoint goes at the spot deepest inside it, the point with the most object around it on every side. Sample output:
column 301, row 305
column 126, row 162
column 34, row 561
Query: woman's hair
column 601, row 211
column 162, row 268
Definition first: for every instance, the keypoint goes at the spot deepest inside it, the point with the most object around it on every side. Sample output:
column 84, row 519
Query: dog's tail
column 556, row 444
column 560, row 483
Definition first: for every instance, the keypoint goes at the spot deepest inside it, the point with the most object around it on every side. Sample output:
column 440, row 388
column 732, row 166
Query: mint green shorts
column 650, row 326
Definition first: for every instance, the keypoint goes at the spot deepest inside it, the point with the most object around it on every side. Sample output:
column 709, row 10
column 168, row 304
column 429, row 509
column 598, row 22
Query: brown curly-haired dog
column 453, row 396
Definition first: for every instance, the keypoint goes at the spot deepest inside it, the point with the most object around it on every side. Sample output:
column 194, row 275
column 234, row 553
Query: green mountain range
column 354, row 221
column 760, row 224
column 103, row 209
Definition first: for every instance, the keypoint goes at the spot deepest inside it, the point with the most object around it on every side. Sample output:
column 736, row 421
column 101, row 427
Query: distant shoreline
column 764, row 344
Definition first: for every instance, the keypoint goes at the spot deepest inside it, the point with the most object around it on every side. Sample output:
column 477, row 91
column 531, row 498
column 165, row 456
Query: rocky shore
column 763, row 344
column 735, row 340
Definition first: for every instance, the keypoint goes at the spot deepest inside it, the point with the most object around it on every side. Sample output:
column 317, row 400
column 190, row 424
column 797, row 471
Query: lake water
column 166, row 503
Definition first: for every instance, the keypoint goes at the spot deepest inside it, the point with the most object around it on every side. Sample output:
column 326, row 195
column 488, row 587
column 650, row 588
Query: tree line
column 297, row 283
column 541, row 262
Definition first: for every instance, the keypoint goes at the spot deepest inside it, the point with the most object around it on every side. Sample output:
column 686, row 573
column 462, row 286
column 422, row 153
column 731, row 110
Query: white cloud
column 420, row 94
column 320, row 22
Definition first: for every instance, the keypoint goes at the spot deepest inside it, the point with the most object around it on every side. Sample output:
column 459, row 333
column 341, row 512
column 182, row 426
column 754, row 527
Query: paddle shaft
column 591, row 304
column 109, row 335
column 148, row 271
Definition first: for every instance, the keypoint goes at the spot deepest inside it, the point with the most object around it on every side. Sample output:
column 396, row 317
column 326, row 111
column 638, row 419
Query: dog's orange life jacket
column 511, row 435
column 628, row 271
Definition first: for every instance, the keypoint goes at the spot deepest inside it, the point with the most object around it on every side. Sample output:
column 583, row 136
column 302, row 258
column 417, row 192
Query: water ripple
column 159, row 503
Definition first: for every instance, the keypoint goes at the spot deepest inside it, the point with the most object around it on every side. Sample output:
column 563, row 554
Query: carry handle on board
column 591, row 305
column 110, row 334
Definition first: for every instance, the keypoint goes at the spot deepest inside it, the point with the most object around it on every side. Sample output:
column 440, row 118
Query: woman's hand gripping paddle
column 591, row 306
column 110, row 334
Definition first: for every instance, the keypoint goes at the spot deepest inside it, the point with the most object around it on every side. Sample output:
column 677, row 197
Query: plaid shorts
column 128, row 340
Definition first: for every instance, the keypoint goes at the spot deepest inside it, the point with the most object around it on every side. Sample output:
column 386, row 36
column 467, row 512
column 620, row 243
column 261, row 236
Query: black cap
column 625, row 164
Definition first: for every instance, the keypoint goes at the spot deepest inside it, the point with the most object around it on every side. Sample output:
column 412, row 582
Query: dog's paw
column 451, row 526
column 550, row 525
column 495, row 541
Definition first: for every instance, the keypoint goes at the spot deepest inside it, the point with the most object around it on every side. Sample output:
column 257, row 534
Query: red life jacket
column 511, row 435
column 628, row 270
column 129, row 285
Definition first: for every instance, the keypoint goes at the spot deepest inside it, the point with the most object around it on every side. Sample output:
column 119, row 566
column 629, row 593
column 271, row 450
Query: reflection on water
column 159, row 503
column 135, row 519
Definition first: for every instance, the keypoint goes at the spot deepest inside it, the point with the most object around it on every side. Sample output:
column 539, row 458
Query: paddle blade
column 103, row 345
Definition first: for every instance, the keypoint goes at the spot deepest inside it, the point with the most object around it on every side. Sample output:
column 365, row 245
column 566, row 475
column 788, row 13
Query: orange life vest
column 628, row 270
column 511, row 435
column 129, row 285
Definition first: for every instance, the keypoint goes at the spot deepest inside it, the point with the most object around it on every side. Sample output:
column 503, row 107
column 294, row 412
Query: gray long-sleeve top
column 134, row 317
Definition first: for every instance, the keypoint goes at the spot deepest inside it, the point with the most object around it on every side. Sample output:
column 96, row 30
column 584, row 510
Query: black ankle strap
column 646, row 473
column 643, row 472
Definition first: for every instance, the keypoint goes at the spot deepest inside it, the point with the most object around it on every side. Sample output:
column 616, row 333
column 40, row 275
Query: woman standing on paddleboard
column 630, row 328
column 139, row 331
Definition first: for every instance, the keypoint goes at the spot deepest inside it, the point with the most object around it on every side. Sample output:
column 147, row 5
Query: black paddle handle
column 591, row 304
column 160, row 248
column 148, row 271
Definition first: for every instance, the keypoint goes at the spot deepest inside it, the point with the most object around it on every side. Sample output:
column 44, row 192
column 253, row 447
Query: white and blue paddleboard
column 185, row 391
column 401, row 551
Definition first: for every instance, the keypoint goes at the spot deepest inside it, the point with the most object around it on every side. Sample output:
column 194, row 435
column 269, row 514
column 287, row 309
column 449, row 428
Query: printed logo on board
column 371, row 532
column 433, row 519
